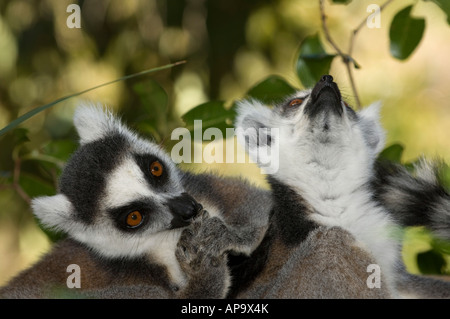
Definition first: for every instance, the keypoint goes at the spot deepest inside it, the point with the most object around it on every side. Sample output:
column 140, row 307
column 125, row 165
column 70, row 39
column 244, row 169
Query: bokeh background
column 229, row 46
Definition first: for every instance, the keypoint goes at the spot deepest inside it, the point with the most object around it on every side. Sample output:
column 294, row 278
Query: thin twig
column 346, row 58
column 323, row 18
column 361, row 25
column 2, row 187
column 16, row 185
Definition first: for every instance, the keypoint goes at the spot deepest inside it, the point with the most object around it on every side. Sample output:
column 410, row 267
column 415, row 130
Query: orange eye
column 134, row 219
column 156, row 169
column 296, row 102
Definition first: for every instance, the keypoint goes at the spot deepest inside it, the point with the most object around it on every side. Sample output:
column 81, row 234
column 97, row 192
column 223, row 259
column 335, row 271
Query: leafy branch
column 405, row 34
column 16, row 185
column 346, row 58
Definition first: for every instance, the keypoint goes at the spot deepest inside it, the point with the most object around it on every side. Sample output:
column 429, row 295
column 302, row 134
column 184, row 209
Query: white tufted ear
column 93, row 121
column 54, row 212
column 371, row 125
column 255, row 132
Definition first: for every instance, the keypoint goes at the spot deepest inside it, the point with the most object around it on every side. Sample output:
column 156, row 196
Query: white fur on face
column 112, row 243
column 159, row 246
column 126, row 184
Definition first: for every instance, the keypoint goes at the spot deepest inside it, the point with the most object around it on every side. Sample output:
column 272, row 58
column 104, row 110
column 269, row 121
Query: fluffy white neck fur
column 335, row 183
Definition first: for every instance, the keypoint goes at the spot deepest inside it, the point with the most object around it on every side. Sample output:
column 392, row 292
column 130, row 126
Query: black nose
column 326, row 78
column 183, row 209
column 326, row 82
column 325, row 96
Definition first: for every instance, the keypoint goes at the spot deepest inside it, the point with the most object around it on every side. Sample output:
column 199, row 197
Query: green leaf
column 153, row 98
column 405, row 33
column 444, row 176
column 39, row 109
column 271, row 90
column 60, row 149
column 431, row 262
column 313, row 61
column 341, row 1
column 53, row 154
column 440, row 245
column 212, row 114
column 392, row 153
column 445, row 6
column 20, row 136
column 34, row 186
column 153, row 116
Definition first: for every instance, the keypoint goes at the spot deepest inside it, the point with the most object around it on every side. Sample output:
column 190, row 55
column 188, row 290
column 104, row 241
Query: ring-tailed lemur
column 124, row 205
column 243, row 208
column 334, row 204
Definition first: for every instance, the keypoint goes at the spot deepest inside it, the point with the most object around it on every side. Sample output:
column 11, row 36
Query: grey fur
column 327, row 265
column 424, row 287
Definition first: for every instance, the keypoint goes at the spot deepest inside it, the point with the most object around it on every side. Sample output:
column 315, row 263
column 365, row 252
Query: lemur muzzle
column 183, row 208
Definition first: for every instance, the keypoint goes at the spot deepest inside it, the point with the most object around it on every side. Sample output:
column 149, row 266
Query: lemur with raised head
column 124, row 205
column 336, row 209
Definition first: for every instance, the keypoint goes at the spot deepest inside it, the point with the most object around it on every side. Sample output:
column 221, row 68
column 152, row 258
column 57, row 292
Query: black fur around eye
column 134, row 216
column 154, row 169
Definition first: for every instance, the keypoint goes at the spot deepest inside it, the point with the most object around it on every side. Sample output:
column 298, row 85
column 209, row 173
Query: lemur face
column 312, row 126
column 117, row 191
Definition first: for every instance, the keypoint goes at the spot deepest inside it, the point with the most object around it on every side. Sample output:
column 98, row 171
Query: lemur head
column 311, row 129
column 117, row 192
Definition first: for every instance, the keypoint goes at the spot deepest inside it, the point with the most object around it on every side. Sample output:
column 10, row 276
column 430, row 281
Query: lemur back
column 327, row 159
column 130, row 215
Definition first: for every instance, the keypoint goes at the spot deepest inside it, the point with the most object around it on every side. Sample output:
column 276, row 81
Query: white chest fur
column 340, row 197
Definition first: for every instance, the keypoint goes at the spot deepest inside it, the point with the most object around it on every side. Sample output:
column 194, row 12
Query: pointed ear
column 93, row 122
column 54, row 212
column 254, row 130
column 371, row 125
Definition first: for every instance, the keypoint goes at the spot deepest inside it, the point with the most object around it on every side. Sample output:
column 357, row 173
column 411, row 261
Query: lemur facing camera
column 125, row 207
column 336, row 209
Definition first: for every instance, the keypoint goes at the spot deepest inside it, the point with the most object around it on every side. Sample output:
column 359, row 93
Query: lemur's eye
column 296, row 102
column 156, row 169
column 134, row 219
column 346, row 104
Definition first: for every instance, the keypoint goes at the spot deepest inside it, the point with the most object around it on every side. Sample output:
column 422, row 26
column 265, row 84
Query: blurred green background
column 229, row 46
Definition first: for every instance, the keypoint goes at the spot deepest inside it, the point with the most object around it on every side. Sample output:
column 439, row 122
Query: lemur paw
column 198, row 249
